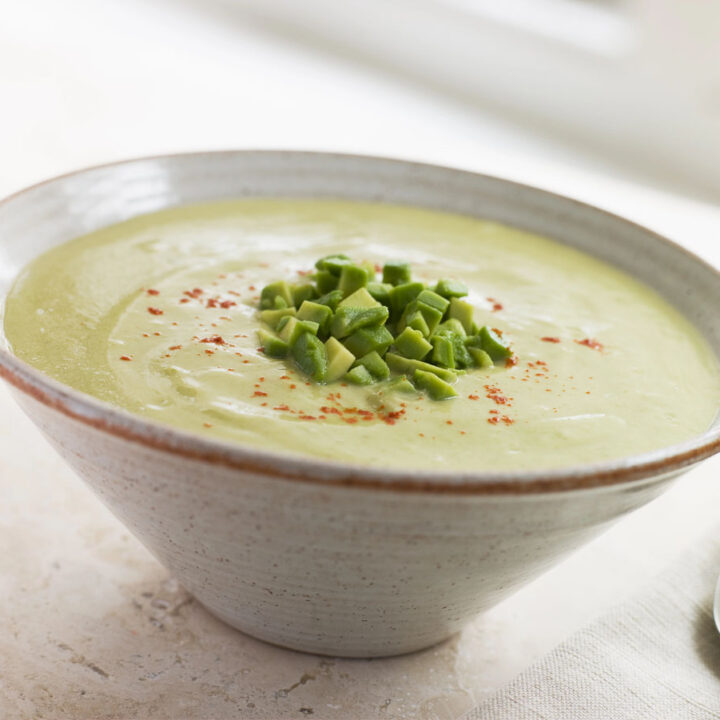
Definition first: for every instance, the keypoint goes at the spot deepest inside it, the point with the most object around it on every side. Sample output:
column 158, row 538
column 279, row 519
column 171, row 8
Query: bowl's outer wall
column 326, row 569
column 330, row 569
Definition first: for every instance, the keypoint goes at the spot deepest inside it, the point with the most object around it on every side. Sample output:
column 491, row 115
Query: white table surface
column 90, row 625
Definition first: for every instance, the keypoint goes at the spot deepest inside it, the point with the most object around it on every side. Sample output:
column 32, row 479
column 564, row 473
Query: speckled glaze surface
column 314, row 555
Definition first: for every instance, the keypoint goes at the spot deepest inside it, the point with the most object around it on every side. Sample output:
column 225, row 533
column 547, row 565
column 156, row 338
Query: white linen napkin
column 654, row 657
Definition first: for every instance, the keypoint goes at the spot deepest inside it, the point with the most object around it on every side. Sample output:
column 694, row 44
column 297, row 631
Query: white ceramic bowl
column 311, row 554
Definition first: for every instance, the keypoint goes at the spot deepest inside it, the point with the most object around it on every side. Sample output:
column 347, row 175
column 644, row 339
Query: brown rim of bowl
column 115, row 421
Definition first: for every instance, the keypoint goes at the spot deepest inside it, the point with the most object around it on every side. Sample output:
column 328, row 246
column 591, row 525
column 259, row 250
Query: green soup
column 158, row 315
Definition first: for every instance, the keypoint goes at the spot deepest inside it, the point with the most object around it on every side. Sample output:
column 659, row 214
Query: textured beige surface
column 93, row 627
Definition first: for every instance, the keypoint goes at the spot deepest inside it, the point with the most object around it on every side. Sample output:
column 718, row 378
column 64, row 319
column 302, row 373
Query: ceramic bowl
column 311, row 554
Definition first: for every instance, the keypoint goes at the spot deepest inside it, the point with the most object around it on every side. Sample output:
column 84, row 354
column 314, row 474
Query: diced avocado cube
column 270, row 292
column 349, row 319
column 352, row 278
column 293, row 328
column 273, row 317
column 359, row 376
column 493, row 345
column 360, row 298
column 431, row 314
column 325, row 281
column 271, row 344
column 375, row 365
column 302, row 292
column 406, row 366
column 321, row 314
column 411, row 344
column 436, row 388
column 451, row 288
column 451, row 326
column 396, row 272
column 340, row 359
column 433, row 300
column 481, row 358
column 462, row 357
column 279, row 302
column 402, row 295
column 333, row 263
column 369, row 269
column 402, row 385
column 380, row 292
column 330, row 299
column 443, row 354
column 416, row 321
column 462, row 312
column 367, row 339
column 310, row 355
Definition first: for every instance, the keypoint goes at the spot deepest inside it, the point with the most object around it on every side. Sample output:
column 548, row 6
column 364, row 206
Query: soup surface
column 158, row 315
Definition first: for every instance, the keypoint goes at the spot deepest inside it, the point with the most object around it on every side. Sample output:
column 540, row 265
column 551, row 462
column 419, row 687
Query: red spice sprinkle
column 156, row 334
column 284, row 377
column 153, row 292
column 495, row 304
column 251, row 287
column 281, row 407
column 304, row 272
column 512, row 360
column 216, row 339
column 591, row 343
column 225, row 304
column 493, row 420
column 125, row 358
column 155, row 311
column 233, row 292
column 550, row 339
column 448, row 422
column 184, row 300
column 292, row 387
column 145, row 335
column 378, row 268
column 473, row 397
column 421, row 434
column 194, row 293
column 209, row 352
column 246, row 361
column 211, row 303
column 175, row 347
column 207, row 425
column 259, row 393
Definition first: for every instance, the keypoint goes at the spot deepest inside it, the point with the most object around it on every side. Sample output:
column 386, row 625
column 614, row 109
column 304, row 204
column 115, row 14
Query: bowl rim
column 122, row 424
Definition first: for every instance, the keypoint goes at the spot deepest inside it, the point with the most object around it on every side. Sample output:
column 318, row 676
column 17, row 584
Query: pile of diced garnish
column 342, row 324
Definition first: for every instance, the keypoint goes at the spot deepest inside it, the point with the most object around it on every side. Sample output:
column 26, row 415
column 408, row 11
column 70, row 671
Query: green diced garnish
column 273, row 317
column 272, row 345
column 436, row 388
column 359, row 376
column 402, row 385
column 310, row 355
column 380, row 292
column 339, row 358
column 352, row 278
column 325, row 281
column 360, row 298
column 451, row 288
column 330, row 299
column 349, row 319
column 411, row 344
column 405, row 366
column 294, row 328
column 333, row 263
column 367, row 339
column 402, row 295
column 461, row 354
column 451, row 326
column 321, row 314
column 375, row 365
column 417, row 321
column 303, row 292
column 396, row 273
column 277, row 289
column 431, row 330
column 481, row 358
column 493, row 345
column 443, row 354
column 433, row 300
column 462, row 312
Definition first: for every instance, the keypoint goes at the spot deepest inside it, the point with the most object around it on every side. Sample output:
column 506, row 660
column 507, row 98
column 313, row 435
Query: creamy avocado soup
column 160, row 315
